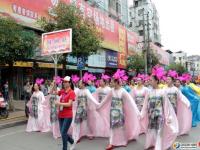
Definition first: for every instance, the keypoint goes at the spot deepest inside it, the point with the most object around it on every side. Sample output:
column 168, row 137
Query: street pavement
column 15, row 138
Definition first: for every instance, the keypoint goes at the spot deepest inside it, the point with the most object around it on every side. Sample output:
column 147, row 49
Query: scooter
column 4, row 113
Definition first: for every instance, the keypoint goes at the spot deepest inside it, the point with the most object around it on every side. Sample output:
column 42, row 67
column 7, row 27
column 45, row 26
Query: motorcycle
column 4, row 113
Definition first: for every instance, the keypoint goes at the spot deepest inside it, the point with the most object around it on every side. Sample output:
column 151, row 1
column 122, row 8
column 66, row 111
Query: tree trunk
column 10, row 86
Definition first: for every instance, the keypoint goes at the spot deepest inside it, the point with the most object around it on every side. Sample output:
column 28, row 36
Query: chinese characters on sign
column 57, row 42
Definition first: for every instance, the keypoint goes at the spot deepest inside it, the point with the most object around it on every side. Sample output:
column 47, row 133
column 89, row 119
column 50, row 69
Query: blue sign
column 80, row 63
column 70, row 59
column 111, row 59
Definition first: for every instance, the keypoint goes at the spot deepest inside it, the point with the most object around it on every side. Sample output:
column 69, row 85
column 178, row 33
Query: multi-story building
column 180, row 57
column 193, row 64
column 143, row 25
column 117, row 9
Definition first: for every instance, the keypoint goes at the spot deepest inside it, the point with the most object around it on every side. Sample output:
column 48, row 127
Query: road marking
column 11, row 133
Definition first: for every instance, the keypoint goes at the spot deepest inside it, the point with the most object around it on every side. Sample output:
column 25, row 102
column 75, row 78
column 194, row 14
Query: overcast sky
column 179, row 24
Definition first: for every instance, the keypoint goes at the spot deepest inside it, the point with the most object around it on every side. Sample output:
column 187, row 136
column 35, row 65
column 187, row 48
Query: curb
column 12, row 124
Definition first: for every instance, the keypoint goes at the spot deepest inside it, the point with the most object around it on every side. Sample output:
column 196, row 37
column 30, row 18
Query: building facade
column 180, row 57
column 117, row 9
column 193, row 64
column 141, row 24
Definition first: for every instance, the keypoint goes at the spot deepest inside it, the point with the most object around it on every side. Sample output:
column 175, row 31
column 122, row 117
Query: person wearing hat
column 65, row 115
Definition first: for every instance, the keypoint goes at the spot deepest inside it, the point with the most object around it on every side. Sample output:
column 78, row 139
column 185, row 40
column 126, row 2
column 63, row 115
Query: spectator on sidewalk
column 6, row 91
column 27, row 95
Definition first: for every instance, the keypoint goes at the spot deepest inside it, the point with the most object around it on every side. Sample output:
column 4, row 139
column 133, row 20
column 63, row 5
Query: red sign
column 107, row 26
column 122, row 47
column 162, row 55
column 57, row 42
column 27, row 12
column 132, row 41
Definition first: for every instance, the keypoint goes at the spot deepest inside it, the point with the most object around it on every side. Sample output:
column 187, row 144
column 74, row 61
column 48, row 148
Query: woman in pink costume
column 39, row 117
column 180, row 104
column 122, row 113
column 139, row 93
column 159, row 117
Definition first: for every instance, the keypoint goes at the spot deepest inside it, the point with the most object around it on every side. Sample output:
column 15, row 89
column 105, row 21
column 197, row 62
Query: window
column 140, row 12
column 136, row 3
column 140, row 22
column 174, row 58
column 179, row 58
column 118, row 8
column 141, row 32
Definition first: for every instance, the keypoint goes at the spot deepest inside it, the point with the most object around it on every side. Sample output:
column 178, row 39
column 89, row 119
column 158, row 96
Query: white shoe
column 73, row 146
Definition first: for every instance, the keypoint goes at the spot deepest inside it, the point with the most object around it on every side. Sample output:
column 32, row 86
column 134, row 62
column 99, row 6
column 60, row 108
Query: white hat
column 67, row 78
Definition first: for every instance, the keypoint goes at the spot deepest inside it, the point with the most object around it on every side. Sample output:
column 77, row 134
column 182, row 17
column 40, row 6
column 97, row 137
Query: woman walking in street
column 159, row 117
column 39, row 113
column 67, row 96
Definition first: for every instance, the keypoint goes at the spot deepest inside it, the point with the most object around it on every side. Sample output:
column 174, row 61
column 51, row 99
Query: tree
column 178, row 67
column 137, row 62
column 86, row 38
column 16, row 44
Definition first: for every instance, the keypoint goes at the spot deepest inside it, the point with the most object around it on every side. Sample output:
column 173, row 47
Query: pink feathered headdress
column 39, row 81
column 181, row 78
column 75, row 79
column 57, row 79
column 105, row 77
column 120, row 75
column 97, row 83
column 140, row 76
column 187, row 76
column 172, row 73
column 86, row 77
column 158, row 71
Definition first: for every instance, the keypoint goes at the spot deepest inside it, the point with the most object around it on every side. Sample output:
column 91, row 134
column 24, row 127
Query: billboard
column 132, row 42
column 57, row 42
column 122, row 47
column 97, row 60
column 161, row 54
column 107, row 26
column 27, row 12
column 111, row 59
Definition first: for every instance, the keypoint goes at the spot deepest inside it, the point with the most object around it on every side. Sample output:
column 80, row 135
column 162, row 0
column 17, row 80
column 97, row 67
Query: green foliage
column 136, row 63
column 178, row 67
column 16, row 43
column 153, row 59
column 86, row 38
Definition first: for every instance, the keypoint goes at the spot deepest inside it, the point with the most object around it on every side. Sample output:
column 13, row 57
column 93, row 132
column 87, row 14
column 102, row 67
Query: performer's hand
column 57, row 102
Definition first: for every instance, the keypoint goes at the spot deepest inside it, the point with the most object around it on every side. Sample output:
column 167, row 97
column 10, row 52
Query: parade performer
column 159, row 117
column 125, row 84
column 65, row 115
column 53, row 97
column 39, row 117
column 75, row 80
column 86, row 117
column 139, row 94
column 90, row 80
column 180, row 104
column 103, row 90
column 122, row 113
column 194, row 100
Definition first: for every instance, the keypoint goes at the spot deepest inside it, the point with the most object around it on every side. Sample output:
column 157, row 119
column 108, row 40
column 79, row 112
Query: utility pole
column 148, row 45
column 144, row 38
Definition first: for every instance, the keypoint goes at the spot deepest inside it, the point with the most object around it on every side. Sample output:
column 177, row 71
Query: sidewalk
column 15, row 118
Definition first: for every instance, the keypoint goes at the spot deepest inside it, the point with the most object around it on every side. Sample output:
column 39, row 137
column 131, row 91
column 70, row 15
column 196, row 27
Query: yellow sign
column 48, row 65
column 23, row 64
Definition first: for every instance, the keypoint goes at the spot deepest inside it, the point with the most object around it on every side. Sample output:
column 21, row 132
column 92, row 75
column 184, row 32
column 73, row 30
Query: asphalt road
column 16, row 138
